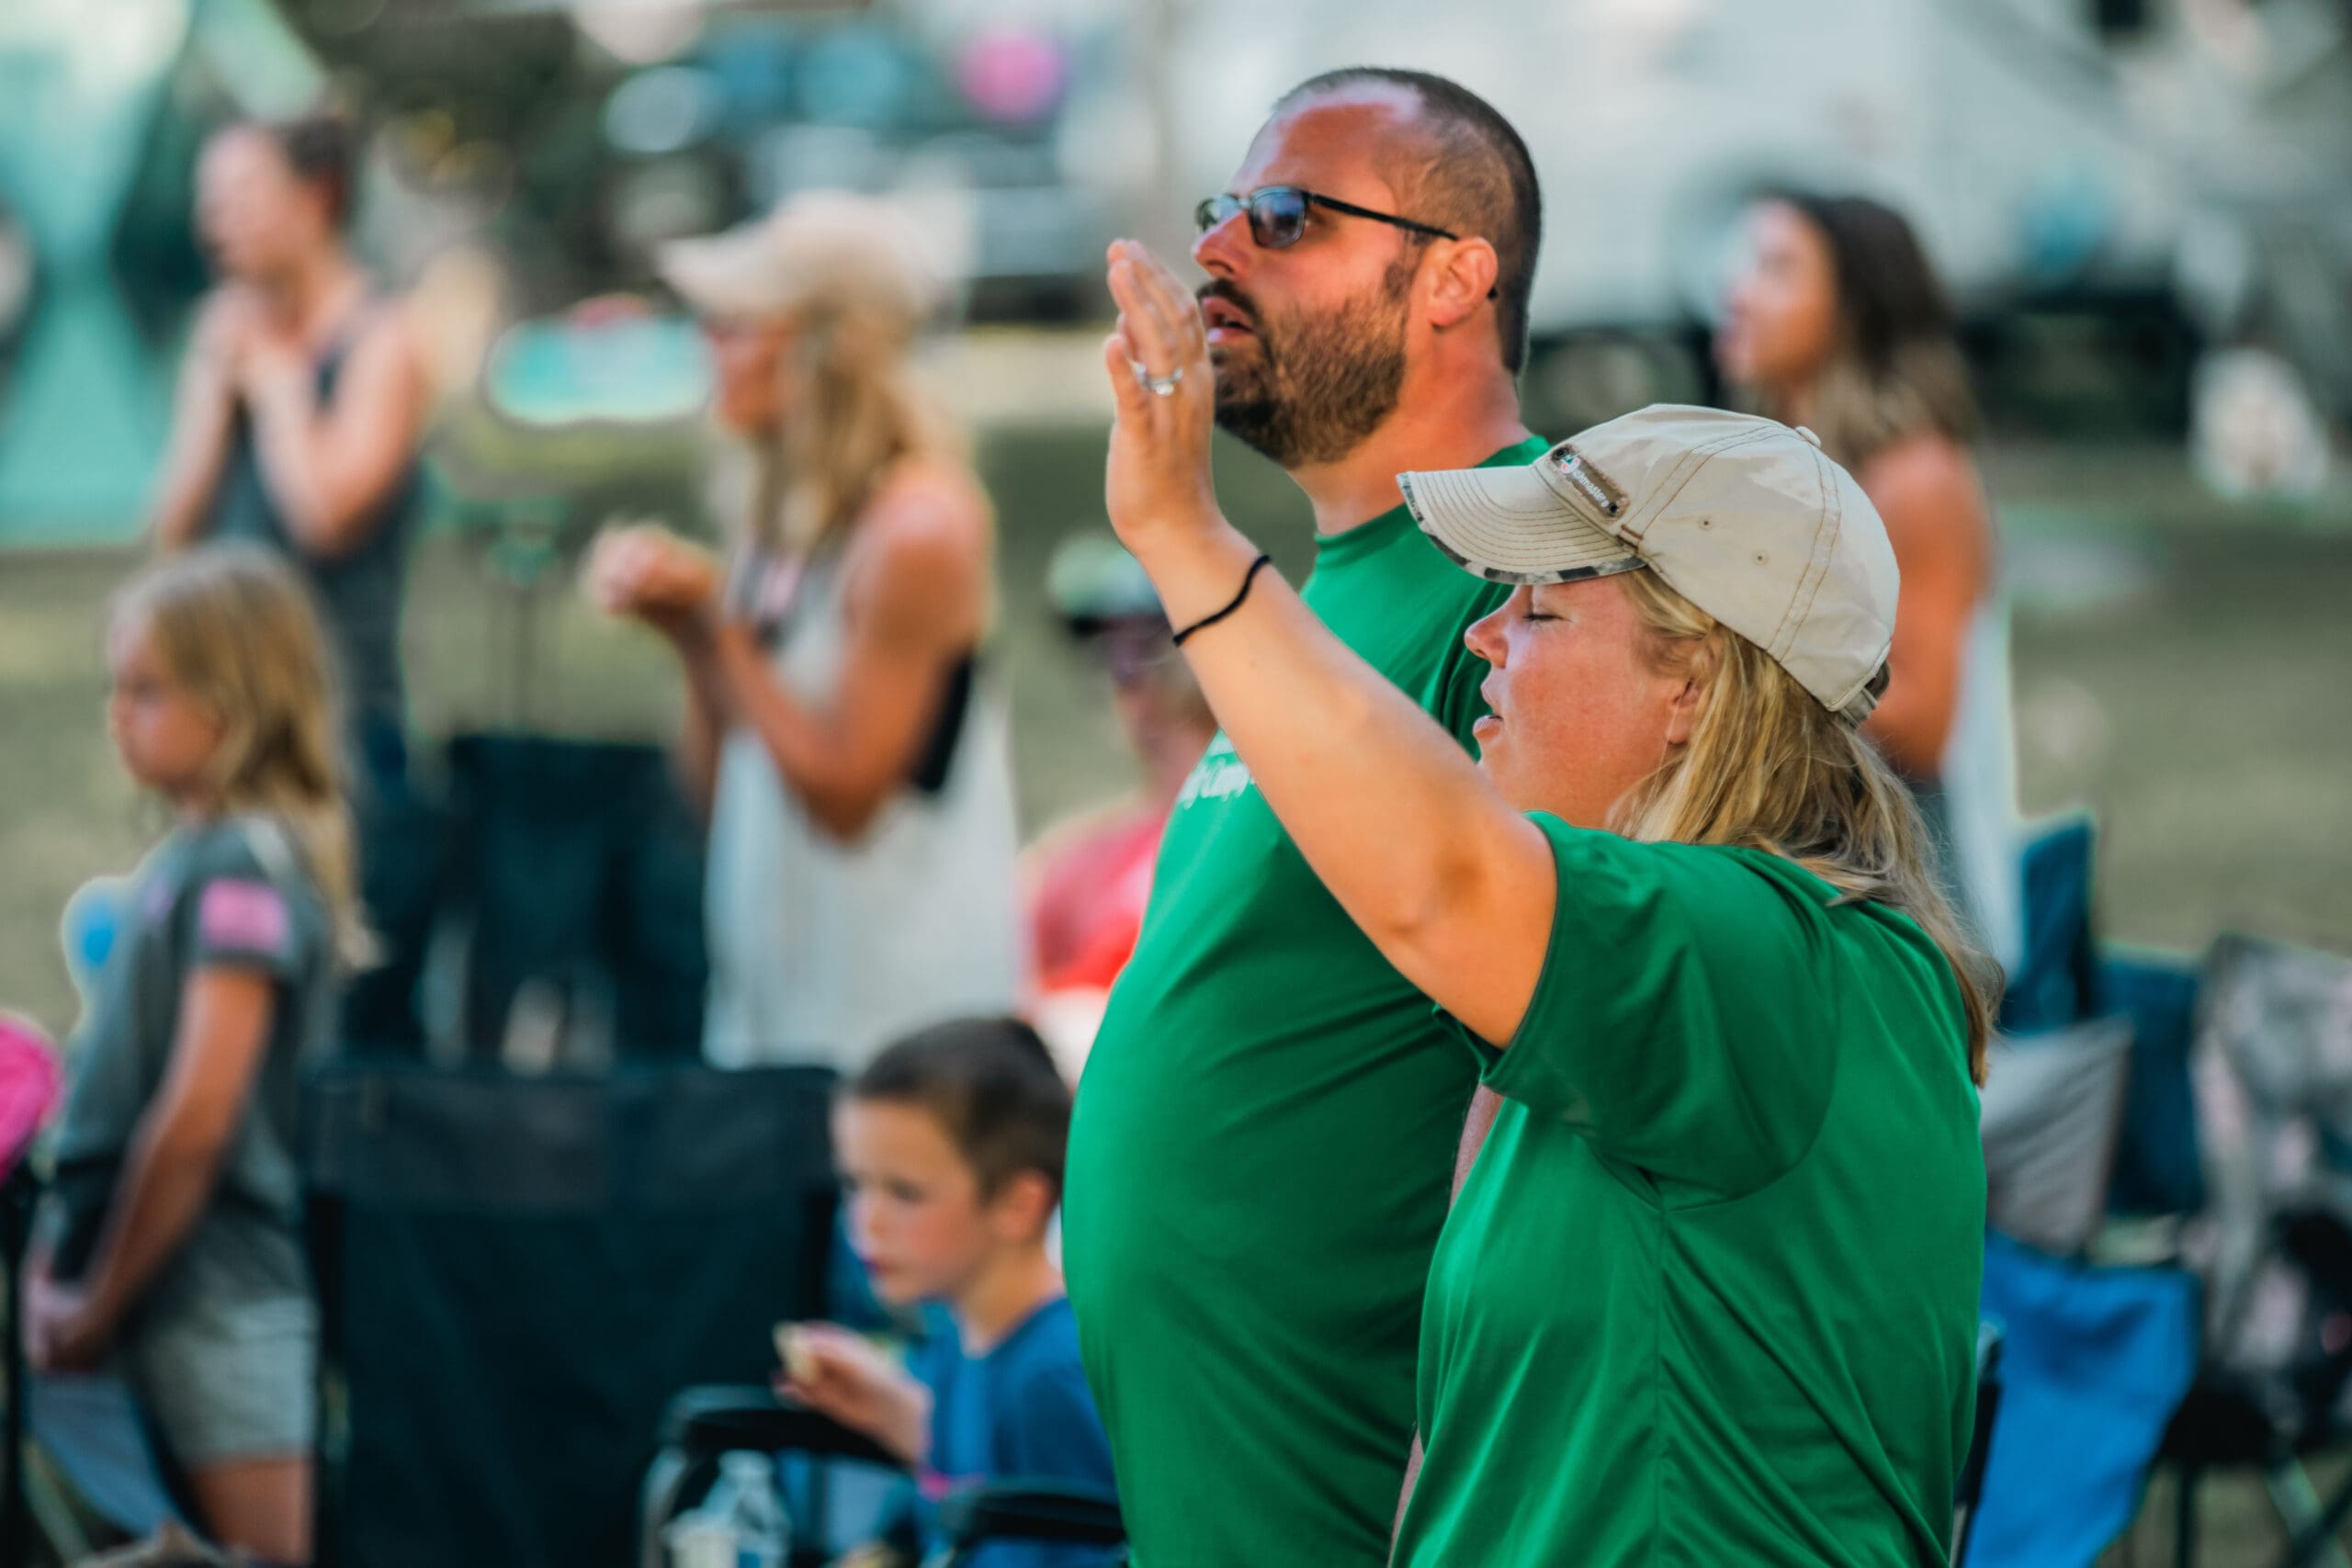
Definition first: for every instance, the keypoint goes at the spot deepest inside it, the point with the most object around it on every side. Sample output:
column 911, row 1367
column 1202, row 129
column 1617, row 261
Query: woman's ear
column 1682, row 717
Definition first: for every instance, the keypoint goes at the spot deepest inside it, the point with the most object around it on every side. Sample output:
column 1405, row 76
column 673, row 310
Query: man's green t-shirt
column 1709, row 1295
column 1263, row 1140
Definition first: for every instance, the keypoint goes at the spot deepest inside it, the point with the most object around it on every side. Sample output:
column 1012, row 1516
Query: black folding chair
column 2232, row 1420
column 2275, row 1115
column 1029, row 1510
column 515, row 1274
column 1970, row 1489
column 704, row 1423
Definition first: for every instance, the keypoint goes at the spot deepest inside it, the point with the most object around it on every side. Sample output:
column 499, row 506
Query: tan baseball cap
column 1745, row 517
column 849, row 250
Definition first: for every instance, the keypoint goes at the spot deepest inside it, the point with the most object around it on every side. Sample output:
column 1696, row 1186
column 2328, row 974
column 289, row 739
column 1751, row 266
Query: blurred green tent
column 98, row 104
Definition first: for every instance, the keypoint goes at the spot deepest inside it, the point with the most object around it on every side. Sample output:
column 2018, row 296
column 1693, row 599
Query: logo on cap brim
column 1588, row 481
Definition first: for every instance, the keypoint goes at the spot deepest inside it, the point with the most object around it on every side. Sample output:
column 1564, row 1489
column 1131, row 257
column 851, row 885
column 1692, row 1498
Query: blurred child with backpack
column 168, row 1249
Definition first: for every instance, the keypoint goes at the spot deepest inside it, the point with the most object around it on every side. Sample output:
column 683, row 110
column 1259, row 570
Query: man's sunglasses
column 1278, row 214
column 1278, row 217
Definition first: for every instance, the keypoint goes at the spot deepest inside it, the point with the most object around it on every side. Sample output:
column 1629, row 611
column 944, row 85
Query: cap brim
column 1507, row 525
column 722, row 275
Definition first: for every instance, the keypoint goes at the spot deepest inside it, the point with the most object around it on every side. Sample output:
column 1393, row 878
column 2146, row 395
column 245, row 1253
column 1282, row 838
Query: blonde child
column 168, row 1250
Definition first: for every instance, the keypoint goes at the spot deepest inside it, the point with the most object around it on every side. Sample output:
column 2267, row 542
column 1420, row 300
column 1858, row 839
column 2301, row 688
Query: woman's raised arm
column 1453, row 885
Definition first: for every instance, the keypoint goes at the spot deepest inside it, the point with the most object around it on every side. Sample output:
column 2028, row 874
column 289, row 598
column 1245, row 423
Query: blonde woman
column 1839, row 324
column 168, row 1248
column 854, row 759
column 1709, row 1291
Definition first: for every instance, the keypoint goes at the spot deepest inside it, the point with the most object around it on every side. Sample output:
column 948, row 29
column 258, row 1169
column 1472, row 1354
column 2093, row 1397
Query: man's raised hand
column 1157, row 482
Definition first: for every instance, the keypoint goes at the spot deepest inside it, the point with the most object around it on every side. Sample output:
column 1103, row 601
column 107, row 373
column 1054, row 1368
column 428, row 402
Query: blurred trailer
column 2175, row 164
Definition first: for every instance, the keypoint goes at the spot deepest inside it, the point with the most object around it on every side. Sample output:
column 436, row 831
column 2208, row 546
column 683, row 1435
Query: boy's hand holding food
column 838, row 1373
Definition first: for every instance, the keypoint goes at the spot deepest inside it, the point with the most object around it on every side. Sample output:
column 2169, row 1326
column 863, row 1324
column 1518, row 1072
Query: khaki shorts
column 223, row 1351
column 225, row 1378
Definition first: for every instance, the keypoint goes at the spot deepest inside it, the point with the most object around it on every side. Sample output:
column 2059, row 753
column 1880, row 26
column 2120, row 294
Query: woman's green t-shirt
column 1710, row 1292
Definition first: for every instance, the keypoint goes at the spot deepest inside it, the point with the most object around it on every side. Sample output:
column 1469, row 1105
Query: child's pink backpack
column 30, row 1082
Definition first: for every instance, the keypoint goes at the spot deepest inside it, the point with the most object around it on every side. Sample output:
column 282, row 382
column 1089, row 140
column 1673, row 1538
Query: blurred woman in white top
column 1839, row 322
column 853, row 758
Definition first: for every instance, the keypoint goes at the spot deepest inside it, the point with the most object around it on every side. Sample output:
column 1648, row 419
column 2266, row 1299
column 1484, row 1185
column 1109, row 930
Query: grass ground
column 2183, row 667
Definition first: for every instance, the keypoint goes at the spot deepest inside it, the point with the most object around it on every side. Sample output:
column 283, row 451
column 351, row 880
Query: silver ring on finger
column 1165, row 385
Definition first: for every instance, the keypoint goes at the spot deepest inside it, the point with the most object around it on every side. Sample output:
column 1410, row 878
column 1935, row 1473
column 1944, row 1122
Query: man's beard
column 1317, row 386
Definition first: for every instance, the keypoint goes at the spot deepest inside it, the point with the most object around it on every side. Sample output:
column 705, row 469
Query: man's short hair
column 992, row 1086
column 1470, row 173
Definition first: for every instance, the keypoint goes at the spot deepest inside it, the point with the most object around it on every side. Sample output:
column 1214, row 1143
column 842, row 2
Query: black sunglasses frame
column 1214, row 210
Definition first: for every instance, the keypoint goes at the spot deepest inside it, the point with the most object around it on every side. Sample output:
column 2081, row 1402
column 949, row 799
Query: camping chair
column 1970, row 1489
column 576, row 873
column 2053, row 1107
column 2095, row 1359
column 1050, row 1511
column 2050, row 1117
column 2159, row 1175
column 2067, row 978
column 704, row 1423
column 2274, row 1096
column 515, row 1276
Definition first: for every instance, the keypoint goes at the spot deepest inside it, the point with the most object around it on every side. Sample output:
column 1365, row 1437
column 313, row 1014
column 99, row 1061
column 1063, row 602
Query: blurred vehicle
column 2147, row 173
column 960, row 120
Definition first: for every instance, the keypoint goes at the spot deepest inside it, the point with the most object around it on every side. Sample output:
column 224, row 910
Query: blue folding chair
column 2096, row 1358
column 2094, row 1361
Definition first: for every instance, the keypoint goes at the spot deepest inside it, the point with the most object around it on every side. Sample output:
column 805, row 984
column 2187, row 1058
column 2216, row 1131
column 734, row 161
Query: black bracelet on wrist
column 1207, row 621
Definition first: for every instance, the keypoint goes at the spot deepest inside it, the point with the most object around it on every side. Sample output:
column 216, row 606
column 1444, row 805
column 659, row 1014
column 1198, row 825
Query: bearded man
column 1259, row 1159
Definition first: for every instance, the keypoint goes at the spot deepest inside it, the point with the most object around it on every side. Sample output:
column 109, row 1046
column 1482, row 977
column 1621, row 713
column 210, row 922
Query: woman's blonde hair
column 1767, row 767
column 236, row 631
column 855, row 413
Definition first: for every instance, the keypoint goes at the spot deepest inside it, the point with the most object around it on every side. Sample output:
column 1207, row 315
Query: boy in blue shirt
column 951, row 1148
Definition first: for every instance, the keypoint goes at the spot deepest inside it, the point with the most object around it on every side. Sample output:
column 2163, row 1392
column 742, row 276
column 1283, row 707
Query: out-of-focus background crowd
column 2144, row 211
column 2142, row 208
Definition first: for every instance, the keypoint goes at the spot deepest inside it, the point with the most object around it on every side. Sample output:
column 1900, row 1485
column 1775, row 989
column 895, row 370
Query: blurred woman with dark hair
column 300, row 407
column 1839, row 324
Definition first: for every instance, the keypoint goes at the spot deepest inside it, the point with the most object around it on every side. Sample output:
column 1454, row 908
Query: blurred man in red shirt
column 1089, row 877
